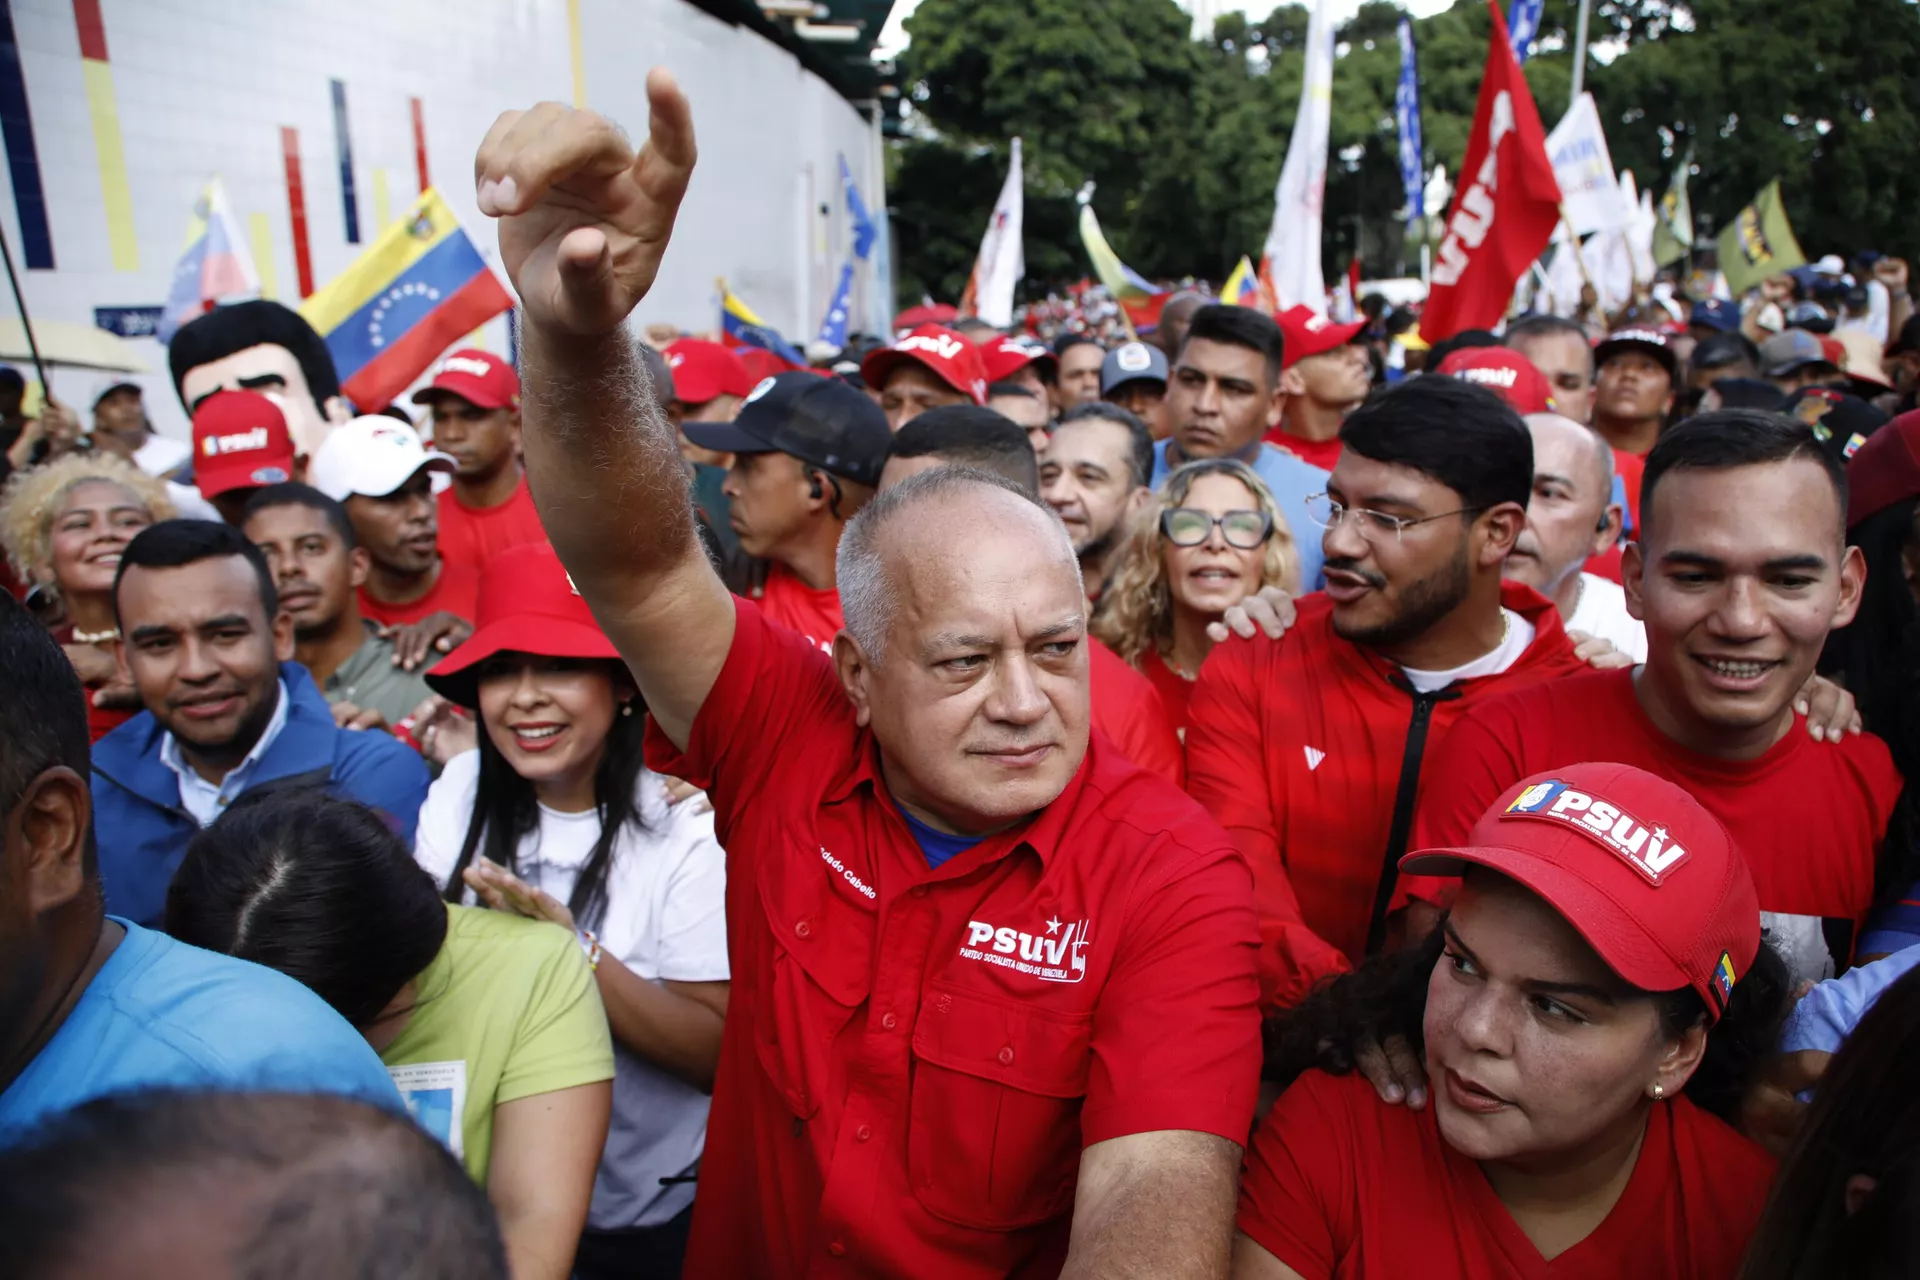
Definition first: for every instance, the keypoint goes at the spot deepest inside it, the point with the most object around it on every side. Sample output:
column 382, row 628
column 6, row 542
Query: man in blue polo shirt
column 227, row 711
column 91, row 1004
column 1223, row 397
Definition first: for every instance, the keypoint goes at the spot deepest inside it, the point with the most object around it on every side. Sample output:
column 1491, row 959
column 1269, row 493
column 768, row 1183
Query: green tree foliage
column 1185, row 138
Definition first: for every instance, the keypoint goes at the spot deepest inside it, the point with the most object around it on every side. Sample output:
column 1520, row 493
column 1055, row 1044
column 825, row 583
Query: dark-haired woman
column 1847, row 1201
column 1588, row 1013
column 555, row 816
column 489, row 1024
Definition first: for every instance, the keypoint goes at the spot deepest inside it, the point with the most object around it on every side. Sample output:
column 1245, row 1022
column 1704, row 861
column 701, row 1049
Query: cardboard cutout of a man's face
column 273, row 369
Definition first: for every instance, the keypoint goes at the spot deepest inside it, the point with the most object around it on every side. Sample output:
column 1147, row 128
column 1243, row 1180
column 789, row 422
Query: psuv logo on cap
column 466, row 364
column 941, row 345
column 1490, row 376
column 238, row 442
column 1648, row 850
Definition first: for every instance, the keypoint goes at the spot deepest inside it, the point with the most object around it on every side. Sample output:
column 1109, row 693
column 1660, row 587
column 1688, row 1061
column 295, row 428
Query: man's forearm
column 1154, row 1205
column 602, row 463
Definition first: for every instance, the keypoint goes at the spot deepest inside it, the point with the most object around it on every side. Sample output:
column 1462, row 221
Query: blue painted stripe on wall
column 410, row 298
column 23, row 158
column 343, row 147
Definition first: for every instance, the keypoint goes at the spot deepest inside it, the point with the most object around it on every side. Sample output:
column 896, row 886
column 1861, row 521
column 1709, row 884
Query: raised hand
column 584, row 220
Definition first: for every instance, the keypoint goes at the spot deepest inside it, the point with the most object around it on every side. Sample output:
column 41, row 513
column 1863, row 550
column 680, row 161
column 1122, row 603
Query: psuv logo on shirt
column 1056, row 954
column 1608, row 825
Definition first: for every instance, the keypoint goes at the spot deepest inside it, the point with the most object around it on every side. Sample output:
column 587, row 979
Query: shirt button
column 804, row 929
column 888, row 1022
column 837, row 1249
column 863, row 1133
column 1006, row 1055
column 918, row 891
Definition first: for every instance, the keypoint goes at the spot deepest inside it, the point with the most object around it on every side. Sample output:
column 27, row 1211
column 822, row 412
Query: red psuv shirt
column 473, row 536
column 1807, row 816
column 1339, row 1184
column 457, row 591
column 1309, row 749
column 812, row 611
column 913, row 1059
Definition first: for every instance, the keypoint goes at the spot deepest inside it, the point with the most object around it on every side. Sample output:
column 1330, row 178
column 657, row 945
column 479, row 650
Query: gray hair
column 860, row 570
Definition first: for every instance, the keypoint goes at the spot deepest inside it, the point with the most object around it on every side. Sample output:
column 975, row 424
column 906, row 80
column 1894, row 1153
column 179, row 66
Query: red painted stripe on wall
column 420, row 142
column 297, row 209
column 93, row 32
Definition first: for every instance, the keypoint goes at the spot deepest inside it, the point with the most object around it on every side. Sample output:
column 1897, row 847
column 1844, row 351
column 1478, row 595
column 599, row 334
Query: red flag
column 1506, row 207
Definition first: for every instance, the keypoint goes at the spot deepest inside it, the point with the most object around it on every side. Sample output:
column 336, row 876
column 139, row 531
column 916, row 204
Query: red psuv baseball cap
column 1506, row 373
column 703, row 370
column 1008, row 354
column 1305, row 332
column 240, row 441
column 478, row 377
column 1645, row 874
column 950, row 357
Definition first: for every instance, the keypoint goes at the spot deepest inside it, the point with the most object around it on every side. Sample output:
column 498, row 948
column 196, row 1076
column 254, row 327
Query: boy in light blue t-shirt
column 92, row 1005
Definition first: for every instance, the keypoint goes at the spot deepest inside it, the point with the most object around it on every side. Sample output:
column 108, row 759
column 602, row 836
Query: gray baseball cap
column 1132, row 362
column 1788, row 350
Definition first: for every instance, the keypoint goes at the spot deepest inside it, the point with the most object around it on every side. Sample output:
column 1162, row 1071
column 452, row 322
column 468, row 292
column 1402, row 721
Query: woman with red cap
column 555, row 816
column 1589, row 1010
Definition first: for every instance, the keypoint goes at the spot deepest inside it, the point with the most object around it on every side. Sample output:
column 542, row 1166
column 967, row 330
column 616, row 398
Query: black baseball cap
column 1840, row 422
column 821, row 421
column 1648, row 341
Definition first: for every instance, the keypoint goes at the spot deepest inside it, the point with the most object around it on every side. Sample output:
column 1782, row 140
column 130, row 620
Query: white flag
column 1292, row 254
column 1584, row 168
column 1001, row 262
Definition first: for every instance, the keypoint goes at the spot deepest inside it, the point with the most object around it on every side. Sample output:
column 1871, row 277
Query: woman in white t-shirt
column 555, row 815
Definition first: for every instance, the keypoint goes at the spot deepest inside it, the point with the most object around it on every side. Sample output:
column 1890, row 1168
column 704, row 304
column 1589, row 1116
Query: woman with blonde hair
column 1212, row 537
column 64, row 525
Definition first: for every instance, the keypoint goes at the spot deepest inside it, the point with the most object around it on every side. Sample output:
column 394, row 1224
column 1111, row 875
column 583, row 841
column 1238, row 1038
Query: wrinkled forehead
column 986, row 563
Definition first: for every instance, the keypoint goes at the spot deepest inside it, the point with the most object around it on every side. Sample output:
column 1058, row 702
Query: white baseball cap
column 371, row 456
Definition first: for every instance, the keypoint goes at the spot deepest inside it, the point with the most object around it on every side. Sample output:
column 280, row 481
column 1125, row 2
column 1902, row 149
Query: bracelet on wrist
column 591, row 946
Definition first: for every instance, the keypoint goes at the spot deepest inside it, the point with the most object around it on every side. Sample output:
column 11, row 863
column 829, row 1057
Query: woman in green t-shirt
column 489, row 1023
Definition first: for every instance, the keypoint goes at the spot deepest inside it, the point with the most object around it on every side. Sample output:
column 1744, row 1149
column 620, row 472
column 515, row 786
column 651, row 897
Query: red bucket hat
column 1645, row 874
column 528, row 604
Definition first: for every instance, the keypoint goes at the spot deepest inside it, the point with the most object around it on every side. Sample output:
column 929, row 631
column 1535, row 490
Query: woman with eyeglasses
column 1213, row 537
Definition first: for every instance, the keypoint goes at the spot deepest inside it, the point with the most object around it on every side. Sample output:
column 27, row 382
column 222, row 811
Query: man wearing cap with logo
column 1134, row 376
column 1635, row 380
column 709, row 382
column 380, row 472
column 1507, row 374
column 318, row 568
column 993, row 994
column 240, row 444
column 1741, row 571
column 1326, row 376
column 807, row 453
column 227, row 711
column 929, row 367
column 1018, row 359
column 475, row 401
column 1585, row 1017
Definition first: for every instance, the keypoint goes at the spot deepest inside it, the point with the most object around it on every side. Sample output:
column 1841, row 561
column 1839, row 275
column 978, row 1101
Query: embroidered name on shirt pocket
column 822, row 949
column 993, row 1137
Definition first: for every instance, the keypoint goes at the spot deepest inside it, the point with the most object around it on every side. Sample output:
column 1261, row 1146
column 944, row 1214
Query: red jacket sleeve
column 1226, row 773
column 1478, row 759
column 1127, row 708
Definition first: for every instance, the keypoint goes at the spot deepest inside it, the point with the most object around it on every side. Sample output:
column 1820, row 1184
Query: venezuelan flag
column 1242, row 288
column 419, row 288
column 744, row 328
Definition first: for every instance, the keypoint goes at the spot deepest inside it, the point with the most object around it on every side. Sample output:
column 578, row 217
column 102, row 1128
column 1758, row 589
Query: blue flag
column 833, row 329
column 1523, row 24
column 1406, row 110
column 863, row 229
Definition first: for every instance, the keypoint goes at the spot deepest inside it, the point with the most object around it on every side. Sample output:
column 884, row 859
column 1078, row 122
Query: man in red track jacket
column 1309, row 749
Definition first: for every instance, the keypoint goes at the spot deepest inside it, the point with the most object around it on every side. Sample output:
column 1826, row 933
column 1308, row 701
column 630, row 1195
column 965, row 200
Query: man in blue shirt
column 90, row 1004
column 1224, row 396
column 209, row 649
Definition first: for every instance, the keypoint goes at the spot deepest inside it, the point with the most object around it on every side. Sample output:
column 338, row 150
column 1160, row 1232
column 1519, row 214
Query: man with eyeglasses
column 1309, row 749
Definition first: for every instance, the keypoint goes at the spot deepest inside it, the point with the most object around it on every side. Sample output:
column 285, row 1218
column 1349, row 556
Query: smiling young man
column 318, row 569
column 1225, row 395
column 1311, row 749
column 1739, row 575
column 1094, row 475
column 475, row 402
column 993, row 990
column 227, row 711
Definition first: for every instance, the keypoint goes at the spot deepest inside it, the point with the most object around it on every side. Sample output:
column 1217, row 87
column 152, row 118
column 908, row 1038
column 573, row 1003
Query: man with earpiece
column 807, row 453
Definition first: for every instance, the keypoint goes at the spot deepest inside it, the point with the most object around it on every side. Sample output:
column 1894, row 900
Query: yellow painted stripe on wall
column 115, row 196
column 380, row 199
column 579, row 58
column 260, row 232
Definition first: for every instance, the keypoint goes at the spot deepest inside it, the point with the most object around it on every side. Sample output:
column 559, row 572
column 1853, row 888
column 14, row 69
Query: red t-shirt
column 473, row 536
column 1339, row 1184
column 1320, row 453
column 1126, row 708
column 1808, row 816
column 914, row 1058
column 813, row 612
column 457, row 591
column 1176, row 691
column 1297, row 745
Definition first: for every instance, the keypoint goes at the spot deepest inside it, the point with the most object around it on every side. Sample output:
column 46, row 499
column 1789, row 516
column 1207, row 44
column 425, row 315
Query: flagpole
column 33, row 347
column 1580, row 52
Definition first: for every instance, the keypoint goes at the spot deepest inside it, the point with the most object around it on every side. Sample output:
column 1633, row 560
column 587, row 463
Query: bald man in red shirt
column 993, row 1005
